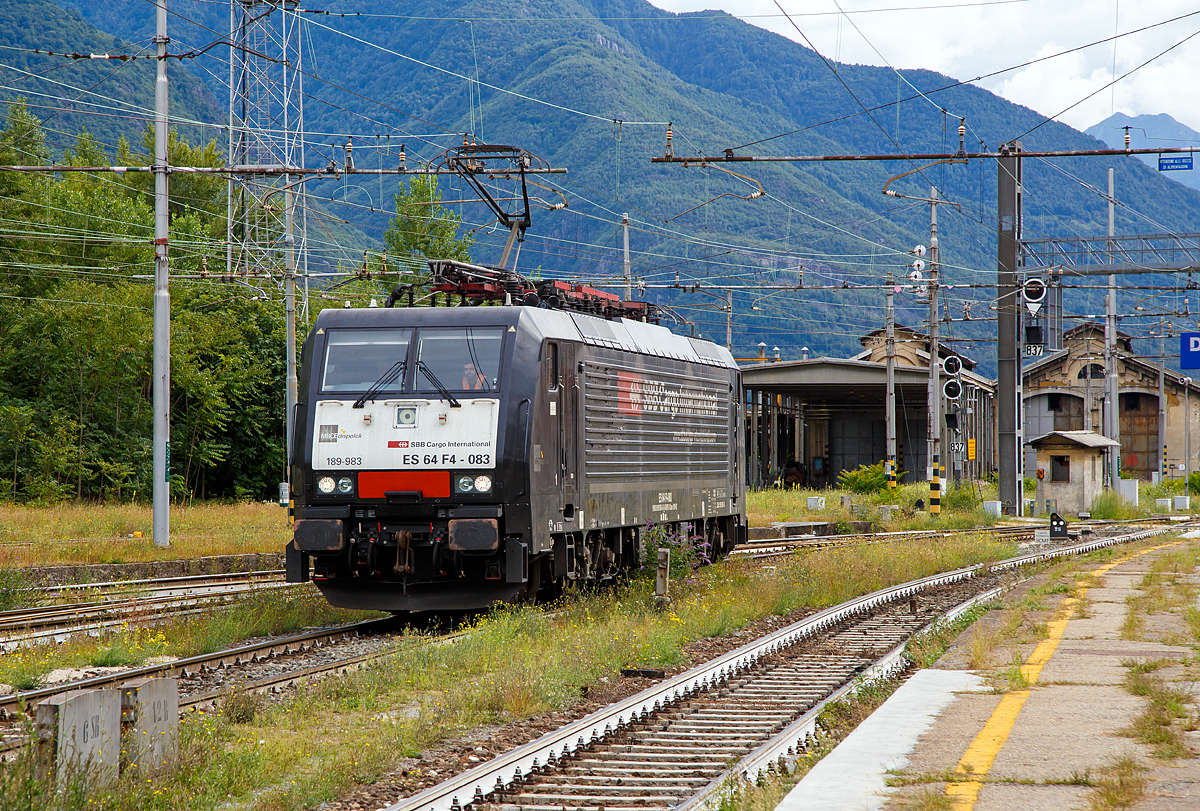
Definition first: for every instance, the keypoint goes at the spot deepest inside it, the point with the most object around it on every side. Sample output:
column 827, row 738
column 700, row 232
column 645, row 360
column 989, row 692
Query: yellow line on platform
column 982, row 752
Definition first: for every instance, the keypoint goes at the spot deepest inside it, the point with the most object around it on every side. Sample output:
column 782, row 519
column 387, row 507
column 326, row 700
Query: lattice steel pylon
column 266, row 129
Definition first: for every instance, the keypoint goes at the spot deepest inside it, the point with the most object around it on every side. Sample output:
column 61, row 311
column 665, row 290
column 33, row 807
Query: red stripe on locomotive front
column 430, row 483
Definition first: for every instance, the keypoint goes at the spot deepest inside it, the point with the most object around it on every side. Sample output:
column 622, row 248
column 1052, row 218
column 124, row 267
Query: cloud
column 974, row 40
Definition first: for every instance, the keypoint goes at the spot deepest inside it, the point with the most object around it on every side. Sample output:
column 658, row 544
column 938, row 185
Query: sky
column 965, row 39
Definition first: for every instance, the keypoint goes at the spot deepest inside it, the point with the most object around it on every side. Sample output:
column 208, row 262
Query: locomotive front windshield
column 356, row 358
column 461, row 359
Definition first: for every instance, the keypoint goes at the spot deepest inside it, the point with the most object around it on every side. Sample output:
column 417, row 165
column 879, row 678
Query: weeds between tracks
column 513, row 663
column 255, row 614
column 961, row 506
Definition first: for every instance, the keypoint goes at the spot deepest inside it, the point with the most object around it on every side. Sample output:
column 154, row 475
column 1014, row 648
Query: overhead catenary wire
column 981, row 77
column 1129, row 72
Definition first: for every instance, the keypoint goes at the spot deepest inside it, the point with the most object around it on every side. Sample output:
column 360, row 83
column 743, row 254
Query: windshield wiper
column 438, row 384
column 387, row 377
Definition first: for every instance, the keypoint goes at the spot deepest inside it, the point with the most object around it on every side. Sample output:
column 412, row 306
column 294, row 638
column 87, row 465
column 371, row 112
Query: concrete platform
column 853, row 775
column 1045, row 747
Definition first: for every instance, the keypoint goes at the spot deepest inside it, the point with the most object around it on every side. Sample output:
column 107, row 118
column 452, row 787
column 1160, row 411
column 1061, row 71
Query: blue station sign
column 1174, row 163
column 1189, row 350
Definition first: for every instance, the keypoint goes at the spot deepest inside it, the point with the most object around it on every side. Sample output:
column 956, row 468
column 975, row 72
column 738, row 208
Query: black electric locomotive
column 453, row 457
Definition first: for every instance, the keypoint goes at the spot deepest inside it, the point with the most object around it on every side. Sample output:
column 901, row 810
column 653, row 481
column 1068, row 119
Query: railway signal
column 1034, row 293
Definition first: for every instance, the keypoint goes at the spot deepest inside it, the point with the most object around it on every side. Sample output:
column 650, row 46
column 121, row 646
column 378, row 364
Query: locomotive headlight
column 464, row 484
column 326, row 484
column 345, row 485
column 483, row 484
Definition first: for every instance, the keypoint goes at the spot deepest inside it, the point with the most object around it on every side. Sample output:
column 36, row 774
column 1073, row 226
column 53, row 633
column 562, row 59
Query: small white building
column 1070, row 470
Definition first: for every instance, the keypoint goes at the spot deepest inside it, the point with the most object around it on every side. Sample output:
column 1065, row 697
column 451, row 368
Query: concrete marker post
column 150, row 723
column 79, row 732
column 662, row 581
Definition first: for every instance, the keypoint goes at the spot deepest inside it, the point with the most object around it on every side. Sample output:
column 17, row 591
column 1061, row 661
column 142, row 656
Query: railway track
column 769, row 547
column 188, row 669
column 147, row 601
column 204, row 680
column 672, row 745
column 772, row 547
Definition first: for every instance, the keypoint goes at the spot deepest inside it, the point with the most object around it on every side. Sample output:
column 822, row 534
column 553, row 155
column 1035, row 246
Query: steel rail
column 48, row 614
column 473, row 786
column 763, row 546
column 341, row 666
column 191, row 580
column 297, row 643
column 28, row 626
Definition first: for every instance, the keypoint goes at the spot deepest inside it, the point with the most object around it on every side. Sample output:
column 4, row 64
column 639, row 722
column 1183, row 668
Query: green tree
column 22, row 202
column 75, row 333
column 423, row 228
column 186, row 192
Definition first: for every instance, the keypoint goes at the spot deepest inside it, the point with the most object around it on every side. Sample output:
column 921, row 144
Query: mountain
column 110, row 98
column 1150, row 132
column 590, row 85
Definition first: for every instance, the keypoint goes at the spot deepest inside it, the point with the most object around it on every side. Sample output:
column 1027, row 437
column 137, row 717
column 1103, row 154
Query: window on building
column 1060, row 468
column 1131, row 402
column 1093, row 370
column 1054, row 402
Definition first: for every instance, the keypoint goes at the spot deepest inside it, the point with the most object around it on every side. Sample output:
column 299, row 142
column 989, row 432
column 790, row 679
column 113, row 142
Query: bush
column 865, row 479
column 961, row 497
column 1164, row 489
column 688, row 553
column 12, row 589
column 1110, row 506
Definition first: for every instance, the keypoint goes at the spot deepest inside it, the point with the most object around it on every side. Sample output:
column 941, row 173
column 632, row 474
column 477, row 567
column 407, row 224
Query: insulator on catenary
column 402, row 159
column 962, row 135
column 349, row 153
column 203, row 267
column 1127, row 137
column 670, row 135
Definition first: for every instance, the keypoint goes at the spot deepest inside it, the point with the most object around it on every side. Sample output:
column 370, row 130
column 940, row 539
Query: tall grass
column 1110, row 506
column 101, row 533
column 12, row 589
column 961, row 506
column 255, row 615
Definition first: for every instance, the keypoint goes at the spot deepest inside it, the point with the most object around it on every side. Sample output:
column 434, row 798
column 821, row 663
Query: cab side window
column 551, row 366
